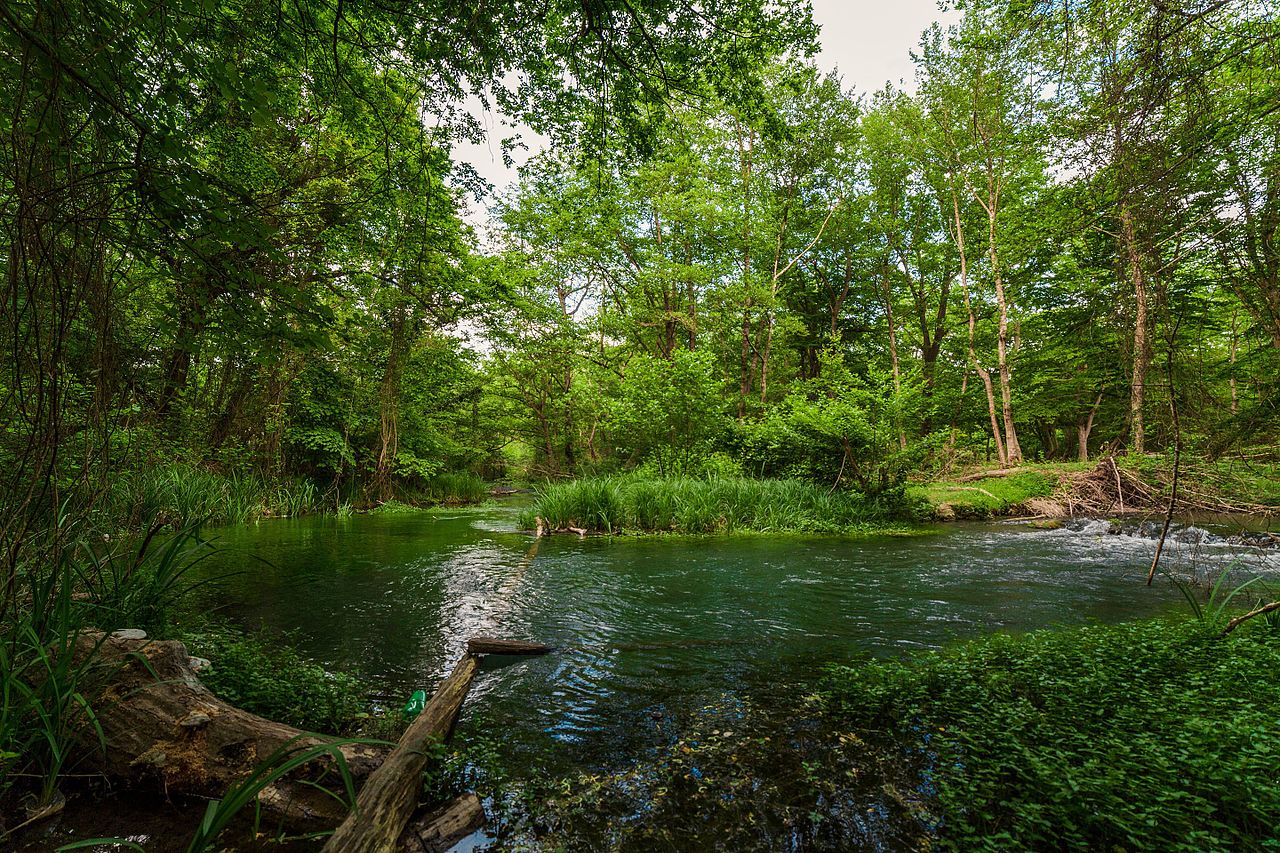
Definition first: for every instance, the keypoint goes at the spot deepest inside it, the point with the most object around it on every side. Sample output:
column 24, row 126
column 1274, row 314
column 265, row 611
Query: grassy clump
column 992, row 496
column 270, row 678
column 691, row 505
column 457, row 487
column 180, row 495
column 1148, row 736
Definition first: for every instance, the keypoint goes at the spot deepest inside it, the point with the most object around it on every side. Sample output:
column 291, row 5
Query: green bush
column 264, row 675
column 1149, row 736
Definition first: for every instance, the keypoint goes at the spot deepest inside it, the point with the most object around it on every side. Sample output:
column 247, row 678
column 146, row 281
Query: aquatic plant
column 1157, row 735
column 456, row 487
column 692, row 505
column 179, row 494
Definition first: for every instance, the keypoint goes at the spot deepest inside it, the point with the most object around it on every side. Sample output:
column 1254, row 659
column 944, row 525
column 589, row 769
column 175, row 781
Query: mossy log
column 390, row 795
column 160, row 725
column 493, row 646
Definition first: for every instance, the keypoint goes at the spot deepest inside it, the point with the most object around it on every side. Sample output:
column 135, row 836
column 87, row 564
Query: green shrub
column 1148, row 736
column 267, row 676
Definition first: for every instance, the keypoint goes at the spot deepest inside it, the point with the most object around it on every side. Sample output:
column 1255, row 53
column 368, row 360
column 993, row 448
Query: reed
column 180, row 495
column 716, row 505
column 456, row 487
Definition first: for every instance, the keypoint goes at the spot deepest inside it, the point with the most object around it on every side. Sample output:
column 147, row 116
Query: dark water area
column 660, row 636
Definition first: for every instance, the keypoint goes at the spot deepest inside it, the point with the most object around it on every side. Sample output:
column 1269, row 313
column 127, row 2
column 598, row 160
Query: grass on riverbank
column 180, row 494
column 988, row 497
column 1148, row 736
column 631, row 504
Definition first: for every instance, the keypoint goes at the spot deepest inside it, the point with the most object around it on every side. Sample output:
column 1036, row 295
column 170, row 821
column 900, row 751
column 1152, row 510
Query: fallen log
column 985, row 475
column 438, row 830
column 493, row 646
column 390, row 795
column 162, row 726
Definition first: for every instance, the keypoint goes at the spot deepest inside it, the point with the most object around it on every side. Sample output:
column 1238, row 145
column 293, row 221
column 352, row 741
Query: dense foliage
column 1149, row 736
column 239, row 277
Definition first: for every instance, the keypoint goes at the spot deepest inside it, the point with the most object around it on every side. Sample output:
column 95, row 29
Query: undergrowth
column 1149, row 736
column 267, row 676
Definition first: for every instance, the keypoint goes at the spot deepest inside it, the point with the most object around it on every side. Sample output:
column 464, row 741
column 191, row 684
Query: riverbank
column 1153, row 735
column 1114, row 486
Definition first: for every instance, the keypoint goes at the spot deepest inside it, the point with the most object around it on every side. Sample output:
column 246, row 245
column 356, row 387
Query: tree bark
column 439, row 830
column 1083, row 429
column 1141, row 346
column 390, row 795
column 162, row 726
column 389, row 404
column 973, row 323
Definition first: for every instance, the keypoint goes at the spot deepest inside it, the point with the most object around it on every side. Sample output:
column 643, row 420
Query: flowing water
column 651, row 627
column 661, row 642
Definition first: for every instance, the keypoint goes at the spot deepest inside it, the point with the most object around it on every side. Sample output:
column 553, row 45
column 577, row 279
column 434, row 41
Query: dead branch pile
column 1111, row 489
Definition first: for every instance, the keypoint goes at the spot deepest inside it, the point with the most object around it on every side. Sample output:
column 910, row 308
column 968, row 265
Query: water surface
column 648, row 628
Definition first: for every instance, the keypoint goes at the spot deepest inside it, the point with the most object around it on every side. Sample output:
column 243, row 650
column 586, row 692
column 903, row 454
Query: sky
column 868, row 41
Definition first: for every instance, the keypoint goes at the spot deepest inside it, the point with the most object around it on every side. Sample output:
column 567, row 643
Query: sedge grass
column 632, row 504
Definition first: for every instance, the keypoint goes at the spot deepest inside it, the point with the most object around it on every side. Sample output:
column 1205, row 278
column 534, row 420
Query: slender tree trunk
column 1235, row 342
column 886, row 298
column 389, row 404
column 1084, row 427
column 745, row 146
column 1141, row 346
column 1012, row 448
column 973, row 323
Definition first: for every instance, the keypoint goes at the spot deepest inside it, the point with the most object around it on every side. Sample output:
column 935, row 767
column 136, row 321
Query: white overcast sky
column 869, row 42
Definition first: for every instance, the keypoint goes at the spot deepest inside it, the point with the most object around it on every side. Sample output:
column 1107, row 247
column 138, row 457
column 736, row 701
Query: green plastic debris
column 416, row 703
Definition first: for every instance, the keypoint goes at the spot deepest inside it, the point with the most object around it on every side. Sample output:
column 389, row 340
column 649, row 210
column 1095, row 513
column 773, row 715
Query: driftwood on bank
column 438, row 830
column 386, row 803
column 389, row 796
column 162, row 726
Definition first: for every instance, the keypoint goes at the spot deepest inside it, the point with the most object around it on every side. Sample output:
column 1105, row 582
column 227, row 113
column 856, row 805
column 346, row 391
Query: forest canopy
column 235, row 240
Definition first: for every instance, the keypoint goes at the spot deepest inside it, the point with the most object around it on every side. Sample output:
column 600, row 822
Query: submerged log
column 390, row 795
column 438, row 830
column 493, row 646
column 160, row 725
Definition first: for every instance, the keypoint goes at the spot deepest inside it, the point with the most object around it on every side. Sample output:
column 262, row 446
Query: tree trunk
column 390, row 795
column 897, row 370
column 1084, row 427
column 161, row 725
column 1012, row 449
column 1141, row 346
column 389, row 405
column 973, row 323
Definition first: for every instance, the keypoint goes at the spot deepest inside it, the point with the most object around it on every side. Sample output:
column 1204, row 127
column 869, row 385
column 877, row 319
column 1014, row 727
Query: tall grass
column 690, row 505
column 72, row 579
column 456, row 487
column 180, row 494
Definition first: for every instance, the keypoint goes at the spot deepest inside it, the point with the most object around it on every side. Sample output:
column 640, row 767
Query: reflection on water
column 650, row 627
